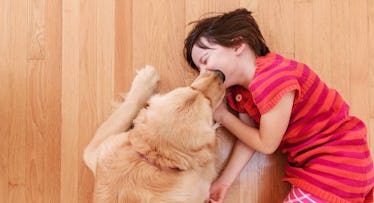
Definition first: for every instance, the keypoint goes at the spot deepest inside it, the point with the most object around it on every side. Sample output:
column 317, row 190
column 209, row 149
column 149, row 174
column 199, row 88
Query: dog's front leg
column 142, row 88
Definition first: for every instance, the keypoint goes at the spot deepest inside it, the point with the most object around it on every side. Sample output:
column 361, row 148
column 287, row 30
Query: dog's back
column 126, row 177
column 169, row 154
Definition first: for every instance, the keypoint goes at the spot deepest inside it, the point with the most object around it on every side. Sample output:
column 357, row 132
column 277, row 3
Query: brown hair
column 228, row 29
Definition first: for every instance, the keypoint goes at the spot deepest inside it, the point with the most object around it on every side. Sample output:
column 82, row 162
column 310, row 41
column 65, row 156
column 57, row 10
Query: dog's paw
column 145, row 82
column 148, row 76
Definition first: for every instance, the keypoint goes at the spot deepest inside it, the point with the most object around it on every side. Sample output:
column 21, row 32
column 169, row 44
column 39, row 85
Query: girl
column 282, row 104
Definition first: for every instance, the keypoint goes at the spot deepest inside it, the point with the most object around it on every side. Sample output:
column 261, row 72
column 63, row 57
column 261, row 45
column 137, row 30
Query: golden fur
column 169, row 154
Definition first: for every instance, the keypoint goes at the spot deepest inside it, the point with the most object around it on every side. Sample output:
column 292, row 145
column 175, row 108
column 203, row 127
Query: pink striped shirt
column 327, row 148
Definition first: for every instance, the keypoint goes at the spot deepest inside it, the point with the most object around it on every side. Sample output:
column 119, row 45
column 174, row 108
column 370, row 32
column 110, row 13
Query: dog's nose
column 220, row 74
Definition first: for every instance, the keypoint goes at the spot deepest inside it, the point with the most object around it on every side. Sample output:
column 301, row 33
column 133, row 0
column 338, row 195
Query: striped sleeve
column 271, row 85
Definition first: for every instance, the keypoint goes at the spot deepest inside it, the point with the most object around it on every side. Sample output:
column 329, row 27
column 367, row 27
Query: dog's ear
column 168, row 160
column 185, row 160
column 163, row 157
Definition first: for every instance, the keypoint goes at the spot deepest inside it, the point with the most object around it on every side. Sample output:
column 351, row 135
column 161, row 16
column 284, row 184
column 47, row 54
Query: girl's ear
column 239, row 48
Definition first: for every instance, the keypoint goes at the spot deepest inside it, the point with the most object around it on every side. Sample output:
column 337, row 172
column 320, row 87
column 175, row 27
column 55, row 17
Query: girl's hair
column 229, row 29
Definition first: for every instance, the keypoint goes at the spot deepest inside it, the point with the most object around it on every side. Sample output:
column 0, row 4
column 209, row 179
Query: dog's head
column 209, row 83
column 176, row 129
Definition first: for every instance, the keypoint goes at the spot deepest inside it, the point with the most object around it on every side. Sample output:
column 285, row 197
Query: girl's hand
column 220, row 113
column 218, row 192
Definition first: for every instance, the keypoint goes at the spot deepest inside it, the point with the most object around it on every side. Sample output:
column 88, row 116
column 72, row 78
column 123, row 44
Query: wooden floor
column 63, row 62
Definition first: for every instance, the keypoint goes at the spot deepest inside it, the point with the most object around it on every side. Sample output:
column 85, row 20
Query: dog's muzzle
column 220, row 74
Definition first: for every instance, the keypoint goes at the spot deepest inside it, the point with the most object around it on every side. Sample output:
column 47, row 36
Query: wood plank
column 251, row 5
column 44, row 113
column 17, row 84
column 36, row 131
column 196, row 9
column 53, row 91
column 6, row 95
column 340, row 48
column 105, row 28
column 279, row 31
column 88, row 111
column 303, row 31
column 123, row 47
column 6, row 113
column 359, row 65
column 321, row 47
column 371, row 71
column 70, row 102
column 36, row 31
column 158, row 40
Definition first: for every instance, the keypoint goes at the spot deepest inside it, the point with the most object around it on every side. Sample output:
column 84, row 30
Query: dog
column 158, row 148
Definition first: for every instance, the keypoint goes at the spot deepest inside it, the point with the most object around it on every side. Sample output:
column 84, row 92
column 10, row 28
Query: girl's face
column 216, row 57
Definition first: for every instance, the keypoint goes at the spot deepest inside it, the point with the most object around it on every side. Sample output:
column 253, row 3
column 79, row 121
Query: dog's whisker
column 216, row 125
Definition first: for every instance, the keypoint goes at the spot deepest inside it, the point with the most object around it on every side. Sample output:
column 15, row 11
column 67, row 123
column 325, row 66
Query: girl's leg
column 298, row 195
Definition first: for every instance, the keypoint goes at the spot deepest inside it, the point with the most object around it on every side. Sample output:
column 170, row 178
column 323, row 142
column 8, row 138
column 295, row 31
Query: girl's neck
column 248, row 69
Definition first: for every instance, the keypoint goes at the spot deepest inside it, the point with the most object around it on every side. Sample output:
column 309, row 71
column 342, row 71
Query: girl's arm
column 273, row 125
column 240, row 156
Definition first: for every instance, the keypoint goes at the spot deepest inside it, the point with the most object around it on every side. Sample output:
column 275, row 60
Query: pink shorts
column 298, row 195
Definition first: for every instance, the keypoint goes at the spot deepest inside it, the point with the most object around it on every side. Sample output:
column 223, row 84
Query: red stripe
column 357, row 155
column 285, row 81
column 341, row 179
column 278, row 60
column 348, row 142
column 287, row 69
column 343, row 166
column 301, row 109
column 323, row 185
column 307, row 141
column 329, row 128
column 321, row 99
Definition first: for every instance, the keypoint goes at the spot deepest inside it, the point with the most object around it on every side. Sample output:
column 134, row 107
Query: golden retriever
column 158, row 148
